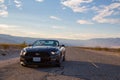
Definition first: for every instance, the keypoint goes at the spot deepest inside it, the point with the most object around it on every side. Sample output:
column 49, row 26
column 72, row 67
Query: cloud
column 19, row 31
column 90, row 35
column 39, row 0
column 58, row 27
column 18, row 3
column 55, row 18
column 3, row 10
column 82, row 36
column 3, row 7
column 84, row 22
column 76, row 5
column 3, row 13
column 5, row 26
column 1, row 1
column 105, row 12
column 16, row 30
column 7, row 29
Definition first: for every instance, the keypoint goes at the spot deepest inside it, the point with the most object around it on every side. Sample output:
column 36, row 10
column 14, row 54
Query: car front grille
column 38, row 54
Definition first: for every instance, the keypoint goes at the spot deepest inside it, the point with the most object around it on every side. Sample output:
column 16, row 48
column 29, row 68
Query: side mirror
column 62, row 45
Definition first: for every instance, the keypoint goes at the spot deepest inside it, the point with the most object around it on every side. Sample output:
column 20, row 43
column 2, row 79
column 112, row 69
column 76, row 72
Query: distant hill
column 14, row 39
column 97, row 42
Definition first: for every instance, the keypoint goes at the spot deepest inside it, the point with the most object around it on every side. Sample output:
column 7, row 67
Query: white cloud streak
column 90, row 35
column 3, row 10
column 104, row 12
column 18, row 31
column 107, row 11
column 7, row 29
column 55, row 18
column 5, row 26
column 39, row 0
column 3, row 7
column 58, row 27
column 18, row 3
column 1, row 1
column 76, row 5
column 84, row 22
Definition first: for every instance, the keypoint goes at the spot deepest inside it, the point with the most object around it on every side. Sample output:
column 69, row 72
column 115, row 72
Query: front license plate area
column 36, row 59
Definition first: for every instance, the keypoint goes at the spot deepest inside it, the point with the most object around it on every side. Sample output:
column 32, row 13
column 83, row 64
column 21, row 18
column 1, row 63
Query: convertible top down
column 43, row 52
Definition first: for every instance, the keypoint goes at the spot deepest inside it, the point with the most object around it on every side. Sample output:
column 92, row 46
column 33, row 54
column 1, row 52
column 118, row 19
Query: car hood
column 41, row 49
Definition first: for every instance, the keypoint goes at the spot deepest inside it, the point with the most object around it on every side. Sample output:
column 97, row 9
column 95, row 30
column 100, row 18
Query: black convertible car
column 43, row 52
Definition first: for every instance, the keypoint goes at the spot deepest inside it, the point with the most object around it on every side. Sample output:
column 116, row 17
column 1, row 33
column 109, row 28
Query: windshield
column 46, row 43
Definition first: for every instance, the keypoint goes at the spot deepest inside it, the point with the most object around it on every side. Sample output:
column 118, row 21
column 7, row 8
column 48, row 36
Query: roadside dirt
column 79, row 65
column 105, row 52
column 9, row 54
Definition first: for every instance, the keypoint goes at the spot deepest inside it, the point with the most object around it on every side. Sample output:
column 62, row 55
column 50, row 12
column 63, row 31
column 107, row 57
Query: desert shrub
column 106, row 49
column 118, row 49
column 24, row 44
column 101, row 49
column 5, row 46
column 98, row 48
column 13, row 46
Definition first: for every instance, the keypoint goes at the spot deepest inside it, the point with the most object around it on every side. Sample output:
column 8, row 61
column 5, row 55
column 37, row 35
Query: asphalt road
column 79, row 65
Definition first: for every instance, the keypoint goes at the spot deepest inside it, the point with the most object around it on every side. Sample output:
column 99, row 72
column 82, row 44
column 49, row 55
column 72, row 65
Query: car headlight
column 53, row 53
column 23, row 53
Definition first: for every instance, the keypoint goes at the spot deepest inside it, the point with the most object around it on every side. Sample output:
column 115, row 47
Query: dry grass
column 15, row 46
column 102, row 49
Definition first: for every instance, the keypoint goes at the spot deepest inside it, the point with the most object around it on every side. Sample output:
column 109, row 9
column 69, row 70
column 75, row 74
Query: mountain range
column 96, row 42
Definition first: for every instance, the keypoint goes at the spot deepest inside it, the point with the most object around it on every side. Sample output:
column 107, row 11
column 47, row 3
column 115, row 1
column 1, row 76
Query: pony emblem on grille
column 37, row 54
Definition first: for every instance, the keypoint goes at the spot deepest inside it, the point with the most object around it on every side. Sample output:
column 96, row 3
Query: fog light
column 21, row 62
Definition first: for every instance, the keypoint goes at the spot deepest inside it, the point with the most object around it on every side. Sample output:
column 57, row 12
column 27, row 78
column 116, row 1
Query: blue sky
column 69, row 19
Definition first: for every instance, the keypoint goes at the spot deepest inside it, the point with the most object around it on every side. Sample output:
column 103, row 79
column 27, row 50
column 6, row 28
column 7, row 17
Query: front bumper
column 43, row 60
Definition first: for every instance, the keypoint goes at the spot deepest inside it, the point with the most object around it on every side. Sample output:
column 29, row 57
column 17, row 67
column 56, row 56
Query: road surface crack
column 54, row 73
